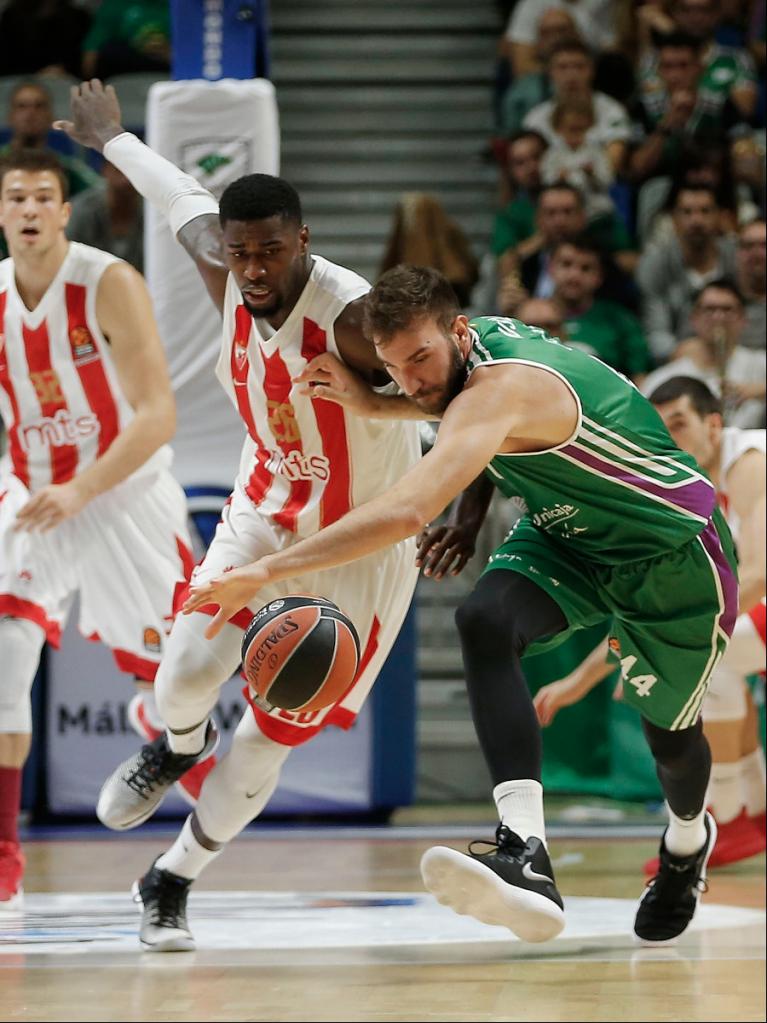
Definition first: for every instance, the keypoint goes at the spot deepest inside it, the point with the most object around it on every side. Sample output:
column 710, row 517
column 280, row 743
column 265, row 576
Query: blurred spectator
column 424, row 235
column 128, row 35
column 699, row 165
column 110, row 217
column 558, row 213
column 574, row 160
column 529, row 90
column 727, row 71
column 42, row 36
column 671, row 272
column 594, row 19
column 676, row 109
column 715, row 355
column 516, row 221
column 596, row 325
column 750, row 270
column 571, row 69
column 544, row 313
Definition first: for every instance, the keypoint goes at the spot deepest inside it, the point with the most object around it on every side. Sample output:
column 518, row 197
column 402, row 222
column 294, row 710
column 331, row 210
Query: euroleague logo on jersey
column 82, row 343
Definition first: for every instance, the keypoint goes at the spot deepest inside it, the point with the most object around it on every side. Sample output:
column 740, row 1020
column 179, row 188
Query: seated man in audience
column 595, row 21
column 750, row 270
column 715, row 355
column 571, row 69
column 534, row 87
column 111, row 218
column 597, row 325
column 30, row 116
column 671, row 273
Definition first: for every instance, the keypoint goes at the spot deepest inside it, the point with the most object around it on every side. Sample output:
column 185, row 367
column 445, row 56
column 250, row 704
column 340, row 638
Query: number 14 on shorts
column 642, row 683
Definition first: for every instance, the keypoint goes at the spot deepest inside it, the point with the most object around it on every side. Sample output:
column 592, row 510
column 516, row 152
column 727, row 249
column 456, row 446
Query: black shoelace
column 506, row 841
column 154, row 768
column 166, row 902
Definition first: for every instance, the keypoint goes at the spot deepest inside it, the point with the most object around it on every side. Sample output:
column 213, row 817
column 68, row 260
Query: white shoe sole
column 665, row 943
column 175, row 941
column 472, row 889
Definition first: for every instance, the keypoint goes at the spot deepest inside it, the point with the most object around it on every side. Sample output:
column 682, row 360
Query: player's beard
column 436, row 401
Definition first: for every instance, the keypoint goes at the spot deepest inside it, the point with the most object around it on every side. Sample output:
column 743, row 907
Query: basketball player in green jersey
column 620, row 523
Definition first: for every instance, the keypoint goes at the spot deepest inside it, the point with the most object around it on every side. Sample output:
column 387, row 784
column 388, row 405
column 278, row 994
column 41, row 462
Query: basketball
column 300, row 653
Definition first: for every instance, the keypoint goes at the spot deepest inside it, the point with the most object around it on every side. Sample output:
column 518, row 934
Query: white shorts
column 375, row 592
column 125, row 553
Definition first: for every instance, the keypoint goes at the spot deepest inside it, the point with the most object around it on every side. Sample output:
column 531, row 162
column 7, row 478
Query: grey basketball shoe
column 162, row 896
column 132, row 793
column 511, row 886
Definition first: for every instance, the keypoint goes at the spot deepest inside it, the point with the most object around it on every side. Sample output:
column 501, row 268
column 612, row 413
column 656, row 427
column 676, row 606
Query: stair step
column 409, row 149
column 385, row 47
column 379, row 97
column 356, row 70
column 398, row 17
column 425, row 175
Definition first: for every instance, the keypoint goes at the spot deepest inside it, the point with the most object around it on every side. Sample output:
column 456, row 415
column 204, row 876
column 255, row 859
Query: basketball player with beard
column 305, row 463
column 620, row 523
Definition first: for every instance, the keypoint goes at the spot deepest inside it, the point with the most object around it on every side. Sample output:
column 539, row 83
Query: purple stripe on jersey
column 713, row 546
column 696, row 497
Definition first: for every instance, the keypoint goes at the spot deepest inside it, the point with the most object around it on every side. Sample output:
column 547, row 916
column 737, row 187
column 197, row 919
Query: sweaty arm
column 746, row 486
column 525, row 405
column 124, row 313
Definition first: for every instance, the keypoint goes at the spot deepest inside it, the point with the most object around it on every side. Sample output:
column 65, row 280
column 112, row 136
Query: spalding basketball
column 300, row 653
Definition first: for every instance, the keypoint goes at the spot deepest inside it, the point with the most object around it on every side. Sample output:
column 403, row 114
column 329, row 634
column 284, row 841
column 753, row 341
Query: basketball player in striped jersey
column 305, row 463
column 87, row 504
column 619, row 523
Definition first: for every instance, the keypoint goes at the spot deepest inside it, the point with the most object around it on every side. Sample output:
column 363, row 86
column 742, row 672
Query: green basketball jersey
column 618, row 489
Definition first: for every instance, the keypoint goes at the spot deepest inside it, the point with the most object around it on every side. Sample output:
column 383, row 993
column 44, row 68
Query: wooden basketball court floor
column 326, row 923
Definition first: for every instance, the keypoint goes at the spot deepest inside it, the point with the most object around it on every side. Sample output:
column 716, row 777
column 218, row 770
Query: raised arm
column 190, row 209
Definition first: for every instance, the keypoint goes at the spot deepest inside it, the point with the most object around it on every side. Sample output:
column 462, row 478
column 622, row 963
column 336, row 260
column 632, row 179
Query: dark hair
column 407, row 293
column 34, row 161
column 571, row 45
column 561, row 186
column 675, row 40
column 702, row 398
column 528, row 133
column 583, row 243
column 258, row 196
column 681, row 186
column 29, row 83
column 722, row 284
column 695, row 155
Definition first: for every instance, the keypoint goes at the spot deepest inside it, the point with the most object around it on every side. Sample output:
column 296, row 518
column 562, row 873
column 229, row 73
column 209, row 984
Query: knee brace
column 20, row 642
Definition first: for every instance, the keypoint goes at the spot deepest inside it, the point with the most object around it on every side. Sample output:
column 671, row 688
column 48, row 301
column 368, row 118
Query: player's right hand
column 552, row 698
column 326, row 377
column 443, row 549
column 96, row 116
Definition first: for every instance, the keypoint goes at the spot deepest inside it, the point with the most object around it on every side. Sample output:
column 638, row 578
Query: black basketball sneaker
column 136, row 788
column 670, row 899
column 163, row 921
column 511, row 886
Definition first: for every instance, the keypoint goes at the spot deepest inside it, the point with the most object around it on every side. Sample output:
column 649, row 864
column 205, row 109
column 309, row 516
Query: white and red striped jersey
column 734, row 443
column 60, row 397
column 305, row 461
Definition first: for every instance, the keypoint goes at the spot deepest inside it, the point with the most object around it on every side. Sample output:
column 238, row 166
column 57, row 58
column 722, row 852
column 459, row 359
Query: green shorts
column 672, row 615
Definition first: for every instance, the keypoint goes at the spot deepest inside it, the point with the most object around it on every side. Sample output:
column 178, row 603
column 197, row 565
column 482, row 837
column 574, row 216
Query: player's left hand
column 51, row 506
column 231, row 591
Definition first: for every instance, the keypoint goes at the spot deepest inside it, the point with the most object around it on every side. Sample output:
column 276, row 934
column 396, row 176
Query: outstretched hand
column 328, row 378
column 96, row 116
column 232, row 591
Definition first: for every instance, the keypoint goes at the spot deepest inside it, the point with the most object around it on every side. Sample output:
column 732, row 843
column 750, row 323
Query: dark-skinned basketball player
column 305, row 463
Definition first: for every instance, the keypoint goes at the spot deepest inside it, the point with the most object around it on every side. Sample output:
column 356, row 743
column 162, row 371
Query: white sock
column 520, row 807
column 685, row 837
column 187, row 857
column 725, row 791
column 753, row 778
column 191, row 740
